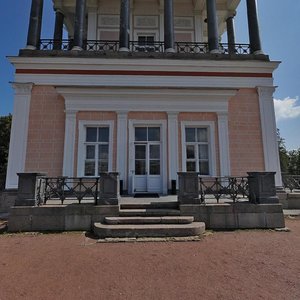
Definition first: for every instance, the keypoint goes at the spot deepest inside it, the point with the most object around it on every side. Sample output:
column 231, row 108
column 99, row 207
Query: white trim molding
column 136, row 99
column 212, row 148
column 224, row 144
column 19, row 133
column 173, row 146
column 82, row 124
column 69, row 145
column 269, row 132
column 122, row 128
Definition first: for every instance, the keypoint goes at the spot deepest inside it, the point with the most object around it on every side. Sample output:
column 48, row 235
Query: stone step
column 152, row 205
column 148, row 212
column 148, row 230
column 150, row 220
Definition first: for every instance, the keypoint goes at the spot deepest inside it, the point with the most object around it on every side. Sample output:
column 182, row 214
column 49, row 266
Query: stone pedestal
column 262, row 187
column 188, row 192
column 27, row 189
column 109, row 191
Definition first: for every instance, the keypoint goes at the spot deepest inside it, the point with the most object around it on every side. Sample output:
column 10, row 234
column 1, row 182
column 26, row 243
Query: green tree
column 294, row 162
column 283, row 154
column 5, row 125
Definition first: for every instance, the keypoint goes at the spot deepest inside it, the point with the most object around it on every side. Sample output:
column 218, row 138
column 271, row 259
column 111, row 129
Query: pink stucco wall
column 246, row 148
column 46, row 128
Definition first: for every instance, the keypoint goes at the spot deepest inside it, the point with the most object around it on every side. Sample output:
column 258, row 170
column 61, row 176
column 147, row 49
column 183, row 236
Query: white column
column 122, row 147
column 69, row 146
column 269, row 132
column 92, row 26
column 19, row 133
column 224, row 144
column 173, row 146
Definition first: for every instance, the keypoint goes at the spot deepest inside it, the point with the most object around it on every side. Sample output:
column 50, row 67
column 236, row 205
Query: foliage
column 5, row 125
column 289, row 160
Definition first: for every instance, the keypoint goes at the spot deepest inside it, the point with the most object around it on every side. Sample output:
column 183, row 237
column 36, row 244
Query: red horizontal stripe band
column 141, row 73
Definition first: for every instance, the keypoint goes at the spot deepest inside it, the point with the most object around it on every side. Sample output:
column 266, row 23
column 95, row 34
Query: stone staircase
column 149, row 220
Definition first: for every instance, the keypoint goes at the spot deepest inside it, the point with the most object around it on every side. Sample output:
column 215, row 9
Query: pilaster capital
column 22, row 88
column 266, row 92
column 172, row 114
column 122, row 114
column 70, row 114
column 222, row 115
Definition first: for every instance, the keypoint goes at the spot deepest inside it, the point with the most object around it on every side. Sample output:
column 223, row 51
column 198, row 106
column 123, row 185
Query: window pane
column 102, row 166
column 191, row 166
column 91, row 134
column 202, row 135
column 150, row 40
column 141, row 134
column 103, row 152
column 154, row 167
column 154, row 134
column 140, row 167
column 203, row 151
column 141, row 40
column 89, row 168
column 90, row 152
column 203, row 168
column 155, row 151
column 190, row 152
column 190, row 134
column 103, row 134
column 140, row 151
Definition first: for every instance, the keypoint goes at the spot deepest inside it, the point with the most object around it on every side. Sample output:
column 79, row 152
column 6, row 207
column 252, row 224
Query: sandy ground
column 249, row 264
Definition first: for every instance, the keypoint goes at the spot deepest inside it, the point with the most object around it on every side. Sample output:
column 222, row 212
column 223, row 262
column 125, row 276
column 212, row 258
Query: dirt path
column 252, row 264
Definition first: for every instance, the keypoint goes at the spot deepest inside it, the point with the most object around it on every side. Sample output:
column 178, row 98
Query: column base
column 123, row 49
column 258, row 52
column 215, row 51
column 30, row 47
column 170, row 50
column 76, row 48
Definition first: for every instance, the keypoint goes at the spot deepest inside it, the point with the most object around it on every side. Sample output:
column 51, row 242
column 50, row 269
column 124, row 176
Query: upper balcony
column 135, row 28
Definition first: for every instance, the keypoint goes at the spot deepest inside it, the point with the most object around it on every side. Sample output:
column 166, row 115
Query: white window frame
column 82, row 125
column 210, row 125
column 131, row 127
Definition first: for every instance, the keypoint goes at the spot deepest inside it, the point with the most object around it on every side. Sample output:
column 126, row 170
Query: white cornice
column 187, row 65
column 78, row 99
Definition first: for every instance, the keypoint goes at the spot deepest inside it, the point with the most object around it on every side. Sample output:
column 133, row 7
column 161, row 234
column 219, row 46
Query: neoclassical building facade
column 143, row 88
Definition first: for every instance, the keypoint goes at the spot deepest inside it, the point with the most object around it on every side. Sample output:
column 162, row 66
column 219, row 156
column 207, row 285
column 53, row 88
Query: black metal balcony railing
column 65, row 188
column 221, row 187
column 135, row 46
column 291, row 182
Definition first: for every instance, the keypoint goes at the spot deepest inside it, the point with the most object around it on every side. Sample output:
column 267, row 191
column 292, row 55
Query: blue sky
column 280, row 35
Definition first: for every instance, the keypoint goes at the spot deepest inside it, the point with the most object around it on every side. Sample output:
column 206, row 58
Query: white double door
column 147, row 154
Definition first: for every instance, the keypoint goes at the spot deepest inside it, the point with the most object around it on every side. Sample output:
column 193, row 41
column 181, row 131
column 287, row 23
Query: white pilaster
column 269, row 132
column 122, row 147
column 173, row 146
column 224, row 144
column 92, row 25
column 198, row 27
column 161, row 24
column 69, row 146
column 19, row 133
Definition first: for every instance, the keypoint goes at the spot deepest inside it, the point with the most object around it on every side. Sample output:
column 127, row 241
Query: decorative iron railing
column 223, row 187
column 2, row 181
column 149, row 47
column 291, row 182
column 61, row 189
